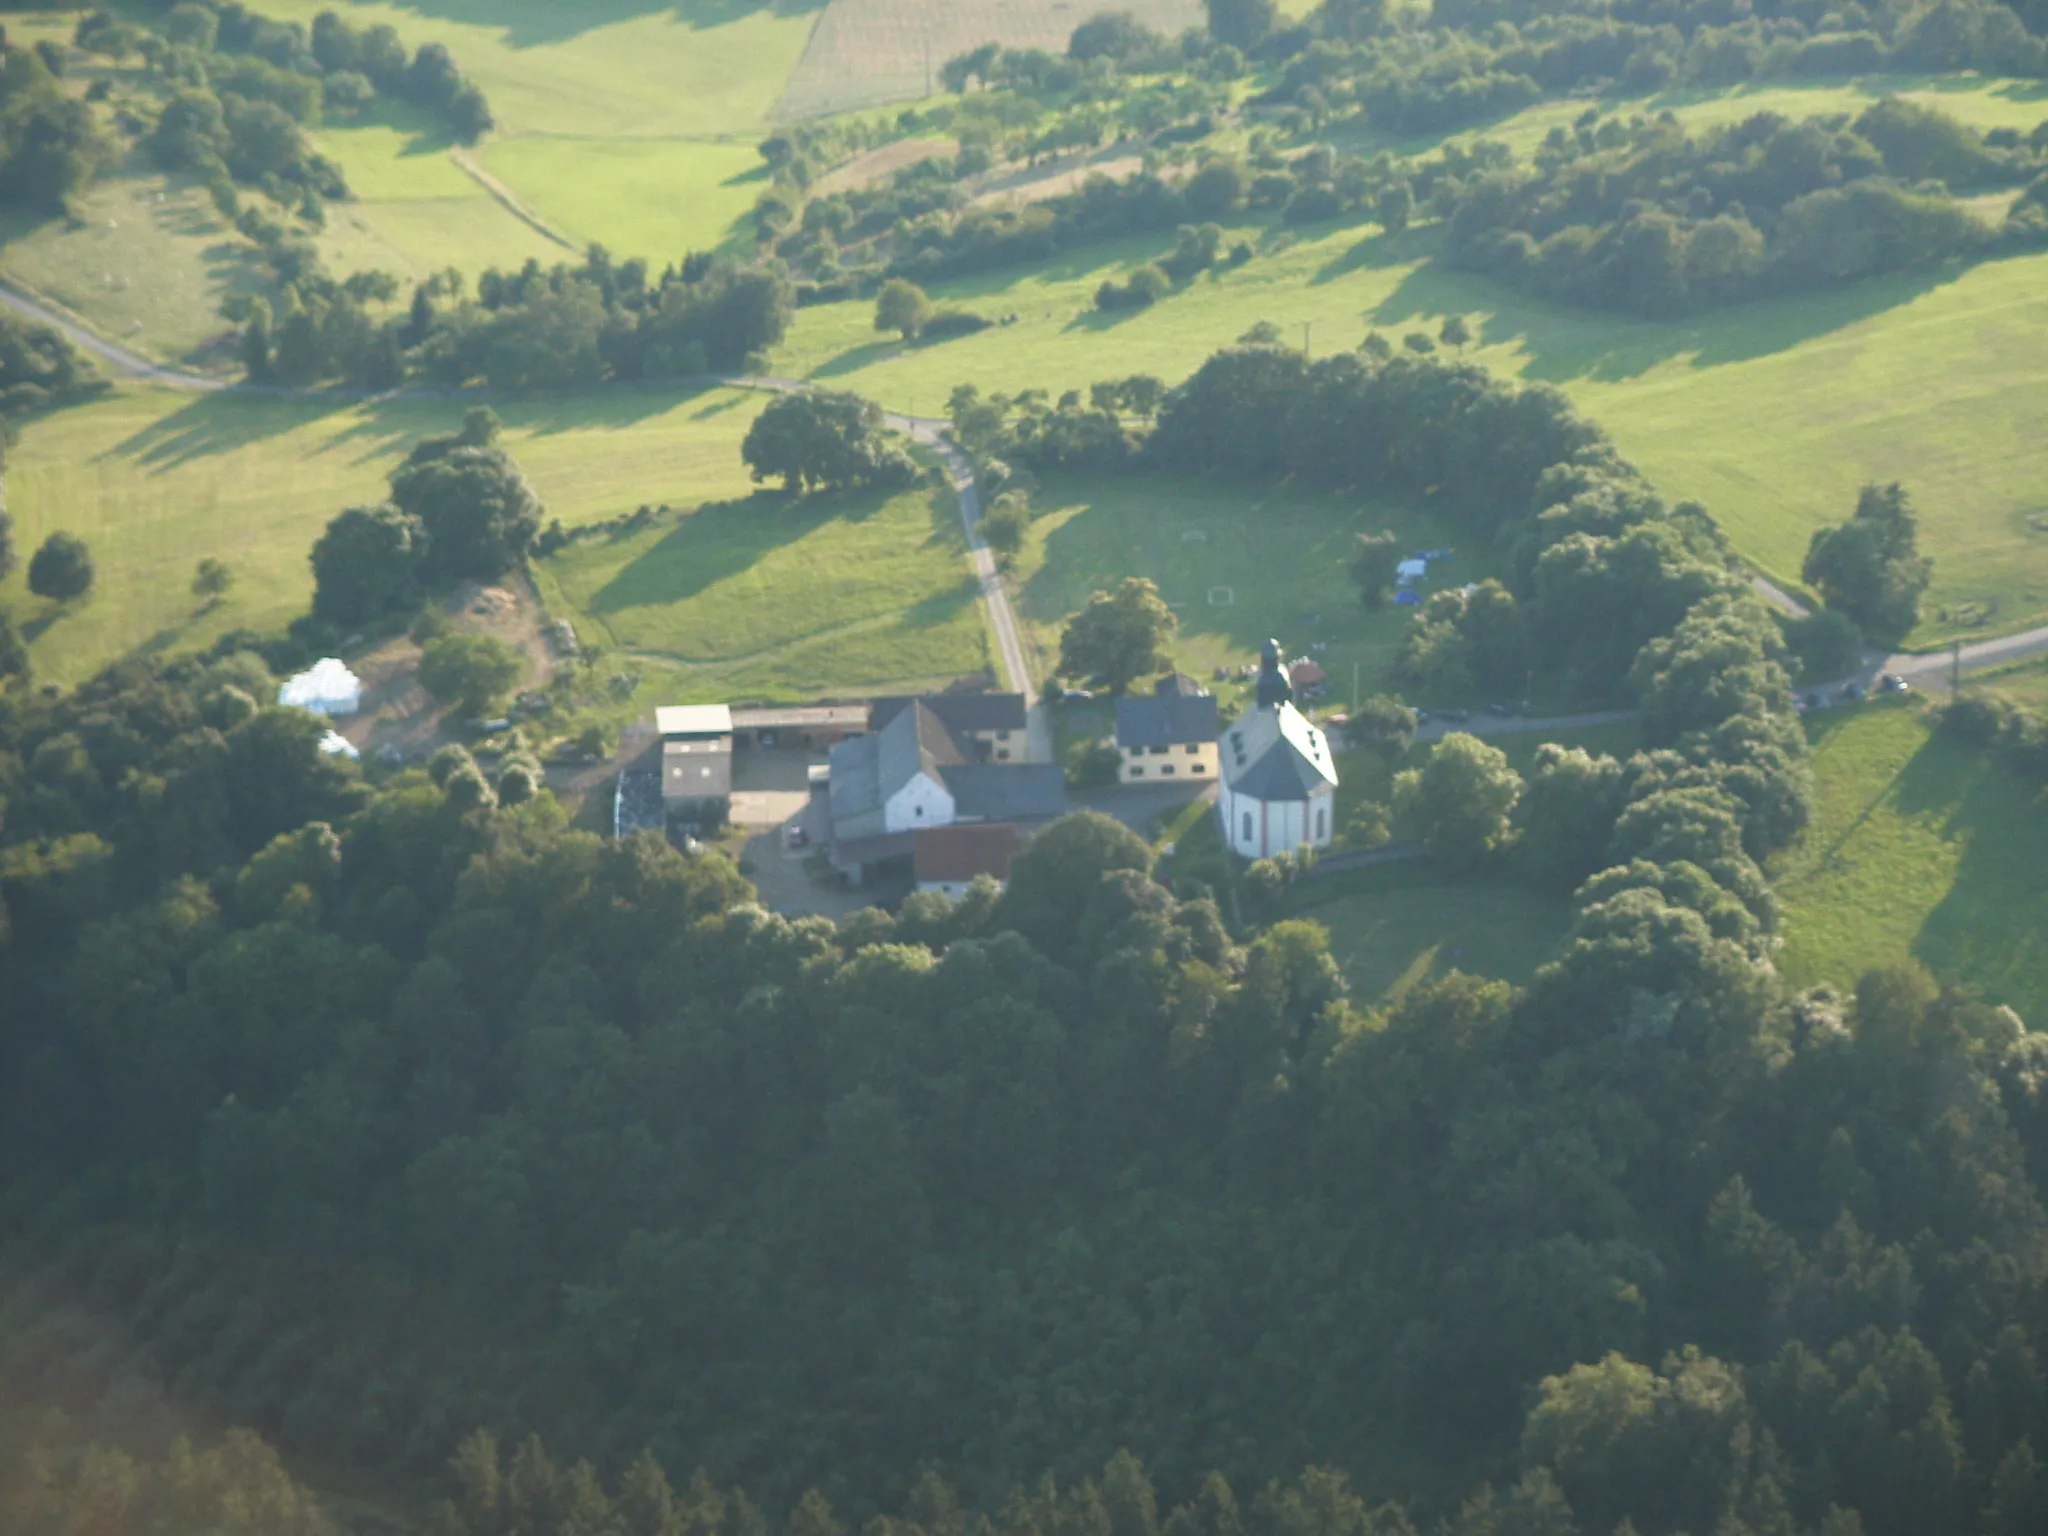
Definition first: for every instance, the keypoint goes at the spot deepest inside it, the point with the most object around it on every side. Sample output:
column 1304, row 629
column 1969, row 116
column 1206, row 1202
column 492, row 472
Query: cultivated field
column 865, row 52
column 1924, row 850
column 776, row 599
column 153, row 479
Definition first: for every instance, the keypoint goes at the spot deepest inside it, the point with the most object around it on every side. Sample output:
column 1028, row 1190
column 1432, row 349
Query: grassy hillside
column 1772, row 414
column 777, row 599
column 153, row 479
column 147, row 261
column 1924, row 849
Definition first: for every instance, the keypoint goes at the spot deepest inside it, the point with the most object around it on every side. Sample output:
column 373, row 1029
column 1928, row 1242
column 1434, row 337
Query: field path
column 472, row 167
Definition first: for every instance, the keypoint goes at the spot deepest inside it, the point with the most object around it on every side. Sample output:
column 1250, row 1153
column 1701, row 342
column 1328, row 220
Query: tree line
column 1644, row 217
column 529, row 331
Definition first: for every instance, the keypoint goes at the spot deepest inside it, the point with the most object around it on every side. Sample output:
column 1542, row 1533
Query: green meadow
column 772, row 597
column 1392, row 928
column 1924, row 850
column 1236, row 565
column 152, row 479
column 1772, row 414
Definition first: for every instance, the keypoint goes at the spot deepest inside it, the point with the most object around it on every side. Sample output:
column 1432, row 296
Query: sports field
column 1236, row 566
column 1925, row 850
column 153, row 479
column 772, row 598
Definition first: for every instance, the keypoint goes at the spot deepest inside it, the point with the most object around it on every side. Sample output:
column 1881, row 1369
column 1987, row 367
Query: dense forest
column 367, row 1110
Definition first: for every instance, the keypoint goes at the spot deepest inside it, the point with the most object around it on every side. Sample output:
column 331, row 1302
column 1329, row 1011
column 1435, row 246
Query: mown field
column 153, row 479
column 772, row 598
column 1924, row 850
column 1236, row 566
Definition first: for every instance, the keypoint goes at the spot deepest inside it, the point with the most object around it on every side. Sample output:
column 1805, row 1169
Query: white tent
column 1411, row 570
column 326, row 688
column 334, row 742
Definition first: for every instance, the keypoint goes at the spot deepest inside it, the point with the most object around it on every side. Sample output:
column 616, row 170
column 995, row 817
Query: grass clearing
column 1391, row 929
column 1923, row 849
column 1237, row 565
column 771, row 598
column 153, row 479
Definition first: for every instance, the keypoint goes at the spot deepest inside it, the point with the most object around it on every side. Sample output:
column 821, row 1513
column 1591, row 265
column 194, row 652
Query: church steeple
column 1274, row 688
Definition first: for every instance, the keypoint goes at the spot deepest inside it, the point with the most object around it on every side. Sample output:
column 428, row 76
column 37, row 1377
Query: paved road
column 960, row 475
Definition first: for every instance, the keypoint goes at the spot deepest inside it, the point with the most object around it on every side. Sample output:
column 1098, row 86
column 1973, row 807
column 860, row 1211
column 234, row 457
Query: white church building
column 1279, row 781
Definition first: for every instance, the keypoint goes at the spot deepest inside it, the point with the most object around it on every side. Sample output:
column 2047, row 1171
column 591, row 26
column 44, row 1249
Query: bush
column 1312, row 205
column 62, row 569
column 948, row 323
column 471, row 672
column 1143, row 288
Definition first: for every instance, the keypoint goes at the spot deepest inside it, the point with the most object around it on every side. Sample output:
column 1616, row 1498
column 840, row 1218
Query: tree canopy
column 1119, row 637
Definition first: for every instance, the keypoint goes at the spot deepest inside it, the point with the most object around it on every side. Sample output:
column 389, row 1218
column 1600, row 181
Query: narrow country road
column 116, row 356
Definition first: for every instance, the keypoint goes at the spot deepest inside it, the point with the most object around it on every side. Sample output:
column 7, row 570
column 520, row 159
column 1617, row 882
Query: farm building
column 696, row 758
column 950, row 859
column 988, row 726
column 1170, row 734
column 913, row 773
column 797, row 725
column 1279, row 781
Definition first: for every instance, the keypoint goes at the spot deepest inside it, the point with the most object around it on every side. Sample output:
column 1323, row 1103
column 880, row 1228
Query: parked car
column 1816, row 700
column 1855, row 693
column 796, row 836
column 1459, row 716
column 1076, row 696
column 1891, row 682
column 1505, row 711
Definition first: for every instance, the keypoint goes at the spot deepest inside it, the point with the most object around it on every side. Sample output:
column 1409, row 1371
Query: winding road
column 1929, row 669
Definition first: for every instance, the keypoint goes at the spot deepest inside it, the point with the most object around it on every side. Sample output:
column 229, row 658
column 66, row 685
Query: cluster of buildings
column 942, row 787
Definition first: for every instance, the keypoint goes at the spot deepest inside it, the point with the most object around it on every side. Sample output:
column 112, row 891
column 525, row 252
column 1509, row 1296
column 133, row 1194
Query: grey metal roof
column 957, row 711
column 1007, row 791
column 1165, row 720
column 855, row 783
column 696, row 770
column 913, row 742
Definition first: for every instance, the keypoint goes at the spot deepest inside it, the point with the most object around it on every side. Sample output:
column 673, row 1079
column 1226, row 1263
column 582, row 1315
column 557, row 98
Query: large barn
column 1279, row 787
